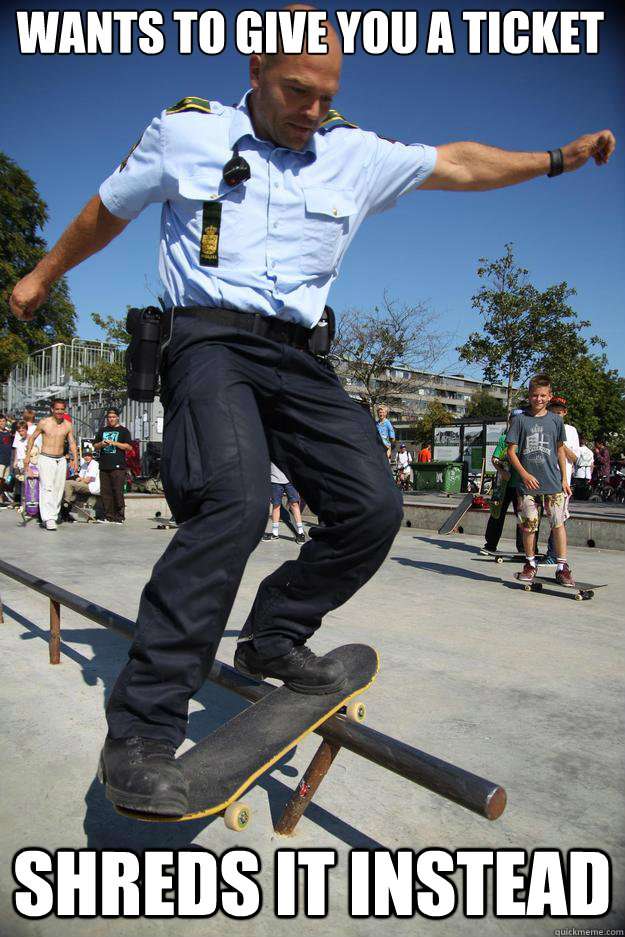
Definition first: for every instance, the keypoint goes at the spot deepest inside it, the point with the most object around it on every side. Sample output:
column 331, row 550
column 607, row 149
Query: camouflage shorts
column 553, row 506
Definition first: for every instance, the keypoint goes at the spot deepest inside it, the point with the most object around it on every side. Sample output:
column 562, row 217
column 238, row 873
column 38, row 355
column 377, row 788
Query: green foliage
column 435, row 415
column 595, row 393
column 483, row 406
column 108, row 376
column 391, row 337
column 521, row 323
column 22, row 214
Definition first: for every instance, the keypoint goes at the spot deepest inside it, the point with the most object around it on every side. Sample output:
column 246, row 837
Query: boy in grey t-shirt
column 535, row 449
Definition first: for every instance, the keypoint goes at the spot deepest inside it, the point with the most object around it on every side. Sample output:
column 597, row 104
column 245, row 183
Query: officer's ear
column 256, row 64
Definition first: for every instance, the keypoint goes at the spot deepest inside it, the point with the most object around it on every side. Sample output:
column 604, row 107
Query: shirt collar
column 242, row 126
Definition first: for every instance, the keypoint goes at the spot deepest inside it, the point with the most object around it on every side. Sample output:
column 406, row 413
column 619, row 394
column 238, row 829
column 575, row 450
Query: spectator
column 404, row 461
column 280, row 486
column 5, row 458
column 385, row 429
column 425, row 454
column 582, row 472
column 602, row 461
column 56, row 432
column 86, row 484
column 113, row 442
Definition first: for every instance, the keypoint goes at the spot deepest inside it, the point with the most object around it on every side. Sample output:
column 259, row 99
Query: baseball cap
column 557, row 402
column 517, row 411
column 403, row 445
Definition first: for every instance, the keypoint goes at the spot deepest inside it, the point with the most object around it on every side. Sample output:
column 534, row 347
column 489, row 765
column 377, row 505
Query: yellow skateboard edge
column 156, row 818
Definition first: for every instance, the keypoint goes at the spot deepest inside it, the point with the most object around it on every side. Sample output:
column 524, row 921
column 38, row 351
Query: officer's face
column 293, row 94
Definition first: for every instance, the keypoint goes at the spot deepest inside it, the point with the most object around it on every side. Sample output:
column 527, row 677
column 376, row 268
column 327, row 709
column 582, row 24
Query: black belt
column 287, row 333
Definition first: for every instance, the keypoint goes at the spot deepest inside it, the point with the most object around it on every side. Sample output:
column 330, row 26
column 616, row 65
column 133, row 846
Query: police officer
column 260, row 202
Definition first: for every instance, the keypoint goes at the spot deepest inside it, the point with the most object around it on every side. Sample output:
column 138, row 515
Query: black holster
column 143, row 355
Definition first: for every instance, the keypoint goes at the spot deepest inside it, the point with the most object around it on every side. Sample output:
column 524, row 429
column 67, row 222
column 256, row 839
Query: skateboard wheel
column 499, row 559
column 579, row 596
column 237, row 817
column 356, row 711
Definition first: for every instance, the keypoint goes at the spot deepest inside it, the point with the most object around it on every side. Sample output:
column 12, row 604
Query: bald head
column 332, row 41
column 292, row 93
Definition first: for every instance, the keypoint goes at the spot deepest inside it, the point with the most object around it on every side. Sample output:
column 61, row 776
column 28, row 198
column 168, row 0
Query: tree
column 393, row 337
column 22, row 213
column 435, row 415
column 483, row 406
column 521, row 324
column 595, row 393
column 108, row 376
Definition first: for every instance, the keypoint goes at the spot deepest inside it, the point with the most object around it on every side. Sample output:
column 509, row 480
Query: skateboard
column 457, row 514
column 226, row 763
column 580, row 591
column 85, row 513
column 503, row 556
column 163, row 523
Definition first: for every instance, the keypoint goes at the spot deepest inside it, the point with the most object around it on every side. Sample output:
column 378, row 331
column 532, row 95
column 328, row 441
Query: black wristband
column 556, row 162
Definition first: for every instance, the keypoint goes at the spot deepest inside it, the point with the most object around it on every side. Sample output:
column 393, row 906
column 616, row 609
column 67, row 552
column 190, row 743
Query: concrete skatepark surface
column 524, row 689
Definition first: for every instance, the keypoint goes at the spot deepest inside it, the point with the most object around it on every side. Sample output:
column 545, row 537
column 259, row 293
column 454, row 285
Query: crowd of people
column 42, row 475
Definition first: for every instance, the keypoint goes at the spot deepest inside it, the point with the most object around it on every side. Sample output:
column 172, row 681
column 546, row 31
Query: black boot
column 300, row 669
column 142, row 774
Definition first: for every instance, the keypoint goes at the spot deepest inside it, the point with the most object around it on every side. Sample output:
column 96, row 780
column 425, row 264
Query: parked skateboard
column 226, row 763
column 456, row 515
column 580, row 591
column 164, row 523
column 87, row 515
column 503, row 556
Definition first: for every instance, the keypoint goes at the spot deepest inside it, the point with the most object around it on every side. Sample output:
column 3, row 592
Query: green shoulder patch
column 190, row 104
column 334, row 119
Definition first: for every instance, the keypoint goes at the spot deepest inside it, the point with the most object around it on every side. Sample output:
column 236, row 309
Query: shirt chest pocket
column 213, row 215
column 327, row 216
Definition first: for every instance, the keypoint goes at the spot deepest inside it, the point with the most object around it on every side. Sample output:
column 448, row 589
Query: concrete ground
column 524, row 689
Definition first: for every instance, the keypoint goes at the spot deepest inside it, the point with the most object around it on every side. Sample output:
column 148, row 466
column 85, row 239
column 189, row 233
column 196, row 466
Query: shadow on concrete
column 444, row 570
column 104, row 828
column 449, row 544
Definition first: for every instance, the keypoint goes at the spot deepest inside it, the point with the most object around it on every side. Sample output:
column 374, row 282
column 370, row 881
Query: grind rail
column 469, row 790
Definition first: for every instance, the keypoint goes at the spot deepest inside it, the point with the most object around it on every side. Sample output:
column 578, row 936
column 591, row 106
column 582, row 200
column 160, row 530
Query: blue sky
column 69, row 119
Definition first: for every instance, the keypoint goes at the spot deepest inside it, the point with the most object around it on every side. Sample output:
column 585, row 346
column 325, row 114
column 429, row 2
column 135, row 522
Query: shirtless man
column 52, row 465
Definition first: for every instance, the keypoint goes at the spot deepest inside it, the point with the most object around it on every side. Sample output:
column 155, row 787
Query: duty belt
column 277, row 330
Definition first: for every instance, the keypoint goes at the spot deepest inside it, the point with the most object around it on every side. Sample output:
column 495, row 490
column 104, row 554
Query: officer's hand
column 598, row 145
column 28, row 294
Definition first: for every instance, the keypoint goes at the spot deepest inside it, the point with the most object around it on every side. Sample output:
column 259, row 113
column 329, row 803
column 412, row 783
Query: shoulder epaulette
column 334, row 119
column 190, row 104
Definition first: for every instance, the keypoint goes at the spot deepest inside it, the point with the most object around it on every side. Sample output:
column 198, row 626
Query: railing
column 464, row 788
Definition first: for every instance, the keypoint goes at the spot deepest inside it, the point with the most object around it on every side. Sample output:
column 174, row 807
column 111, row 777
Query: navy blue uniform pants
column 234, row 400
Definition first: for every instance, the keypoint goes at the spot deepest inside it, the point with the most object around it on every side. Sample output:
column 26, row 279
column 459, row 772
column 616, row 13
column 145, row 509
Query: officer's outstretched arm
column 474, row 167
column 88, row 233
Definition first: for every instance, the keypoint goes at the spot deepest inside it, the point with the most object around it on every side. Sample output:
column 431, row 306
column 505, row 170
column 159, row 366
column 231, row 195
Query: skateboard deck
column 502, row 556
column 85, row 513
column 456, row 515
column 580, row 591
column 164, row 523
column 227, row 762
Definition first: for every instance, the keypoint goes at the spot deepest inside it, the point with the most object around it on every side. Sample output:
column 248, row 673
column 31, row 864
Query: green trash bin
column 438, row 476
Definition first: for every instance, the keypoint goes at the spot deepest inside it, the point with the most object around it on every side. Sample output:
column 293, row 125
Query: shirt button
column 275, row 224
column 276, row 185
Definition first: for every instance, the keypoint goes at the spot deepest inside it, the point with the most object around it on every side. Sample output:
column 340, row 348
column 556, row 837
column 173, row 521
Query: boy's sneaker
column 564, row 576
column 527, row 574
column 300, row 538
column 549, row 561
column 270, row 537
column 50, row 525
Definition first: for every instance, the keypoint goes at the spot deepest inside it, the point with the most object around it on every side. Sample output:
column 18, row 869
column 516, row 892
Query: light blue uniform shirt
column 284, row 231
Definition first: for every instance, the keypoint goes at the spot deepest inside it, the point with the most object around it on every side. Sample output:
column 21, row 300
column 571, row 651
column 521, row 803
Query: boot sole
column 306, row 689
column 140, row 803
